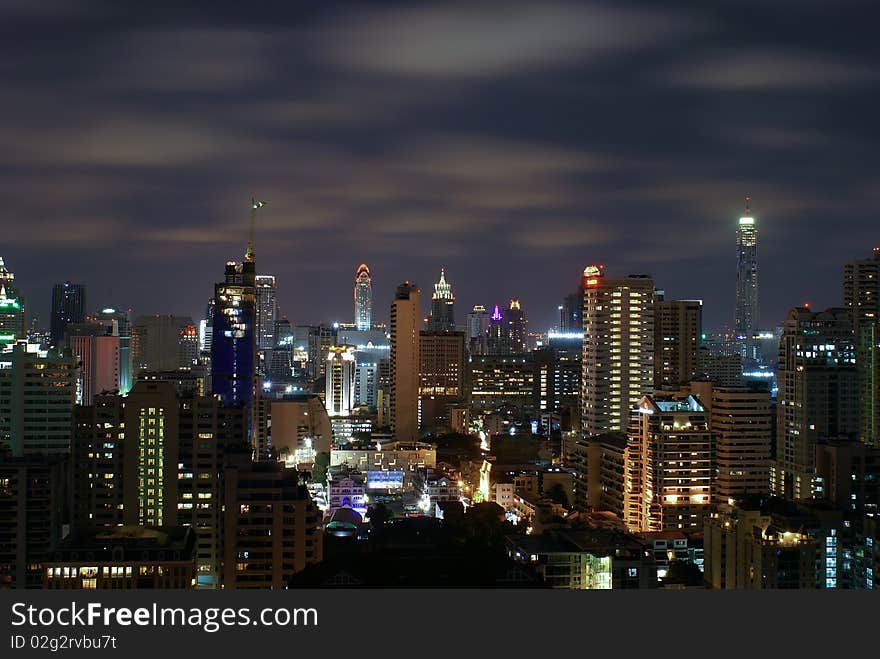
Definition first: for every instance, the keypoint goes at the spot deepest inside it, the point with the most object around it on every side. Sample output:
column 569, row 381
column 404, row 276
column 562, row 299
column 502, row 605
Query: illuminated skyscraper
column 818, row 396
column 339, row 392
column 442, row 306
column 363, row 298
column 516, row 327
column 861, row 297
column 497, row 336
column 267, row 311
column 668, row 465
column 746, row 320
column 163, row 343
column 68, row 306
column 404, row 376
column 12, row 308
column 233, row 354
column 618, row 360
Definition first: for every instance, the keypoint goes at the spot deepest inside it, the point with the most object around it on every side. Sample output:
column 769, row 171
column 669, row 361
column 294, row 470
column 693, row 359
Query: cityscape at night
column 559, row 295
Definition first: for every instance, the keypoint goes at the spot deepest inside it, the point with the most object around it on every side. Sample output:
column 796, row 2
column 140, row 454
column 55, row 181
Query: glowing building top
column 363, row 298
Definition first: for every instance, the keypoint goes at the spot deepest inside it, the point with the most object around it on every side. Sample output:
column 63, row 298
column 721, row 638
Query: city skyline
column 556, row 142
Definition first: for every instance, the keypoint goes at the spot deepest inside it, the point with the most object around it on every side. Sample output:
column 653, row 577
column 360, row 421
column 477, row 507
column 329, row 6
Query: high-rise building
column 363, row 298
column 37, row 394
column 339, row 391
column 746, row 316
column 267, row 311
column 442, row 316
column 233, row 343
column 503, row 381
column 516, row 327
column 157, row 457
column 570, row 312
column 861, row 297
column 442, row 370
column 270, row 525
column 404, row 394
column 678, row 325
column 741, row 421
column 669, row 465
column 478, row 330
column 618, row 358
column 497, row 335
column 13, row 322
column 68, row 306
column 117, row 322
column 163, row 343
column 31, row 515
column 97, row 352
column 818, row 396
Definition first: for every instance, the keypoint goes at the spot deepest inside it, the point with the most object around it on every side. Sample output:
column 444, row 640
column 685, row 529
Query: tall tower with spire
column 363, row 298
column 442, row 306
column 746, row 316
column 233, row 341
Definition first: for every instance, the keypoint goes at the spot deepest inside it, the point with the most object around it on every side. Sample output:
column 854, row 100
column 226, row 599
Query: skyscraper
column 677, row 329
column 516, row 327
column 570, row 312
column 404, row 394
column 163, row 343
column 618, row 359
column 746, row 317
column 233, row 344
column 363, row 298
column 818, row 396
column 37, row 393
column 442, row 369
column 861, row 297
column 68, row 306
column 267, row 311
column 478, row 330
column 442, row 316
column 339, row 391
column 13, row 324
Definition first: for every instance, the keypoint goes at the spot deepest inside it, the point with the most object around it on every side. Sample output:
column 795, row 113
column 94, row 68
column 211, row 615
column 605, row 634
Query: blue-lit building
column 233, row 337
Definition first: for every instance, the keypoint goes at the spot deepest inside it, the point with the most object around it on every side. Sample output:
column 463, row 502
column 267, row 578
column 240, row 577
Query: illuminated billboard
column 392, row 479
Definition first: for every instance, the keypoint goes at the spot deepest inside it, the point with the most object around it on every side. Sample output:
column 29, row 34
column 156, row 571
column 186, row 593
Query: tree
column 684, row 573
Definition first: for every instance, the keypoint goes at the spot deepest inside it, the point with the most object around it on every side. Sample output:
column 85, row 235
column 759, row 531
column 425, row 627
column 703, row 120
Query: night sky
column 512, row 143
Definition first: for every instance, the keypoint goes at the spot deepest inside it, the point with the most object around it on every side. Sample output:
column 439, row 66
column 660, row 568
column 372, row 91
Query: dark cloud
column 512, row 144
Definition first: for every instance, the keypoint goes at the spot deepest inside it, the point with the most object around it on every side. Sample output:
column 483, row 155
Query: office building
column 163, row 343
column 669, row 465
column 404, row 393
column 618, row 358
column 31, row 516
column 515, row 320
column 123, row 558
column 117, row 322
column 363, row 298
column 818, row 396
column 478, row 330
column 678, row 326
column 266, row 311
column 340, row 381
column 442, row 372
column 861, row 297
column 98, row 356
column 37, row 394
column 498, row 382
column 442, row 316
column 570, row 313
column 68, row 306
